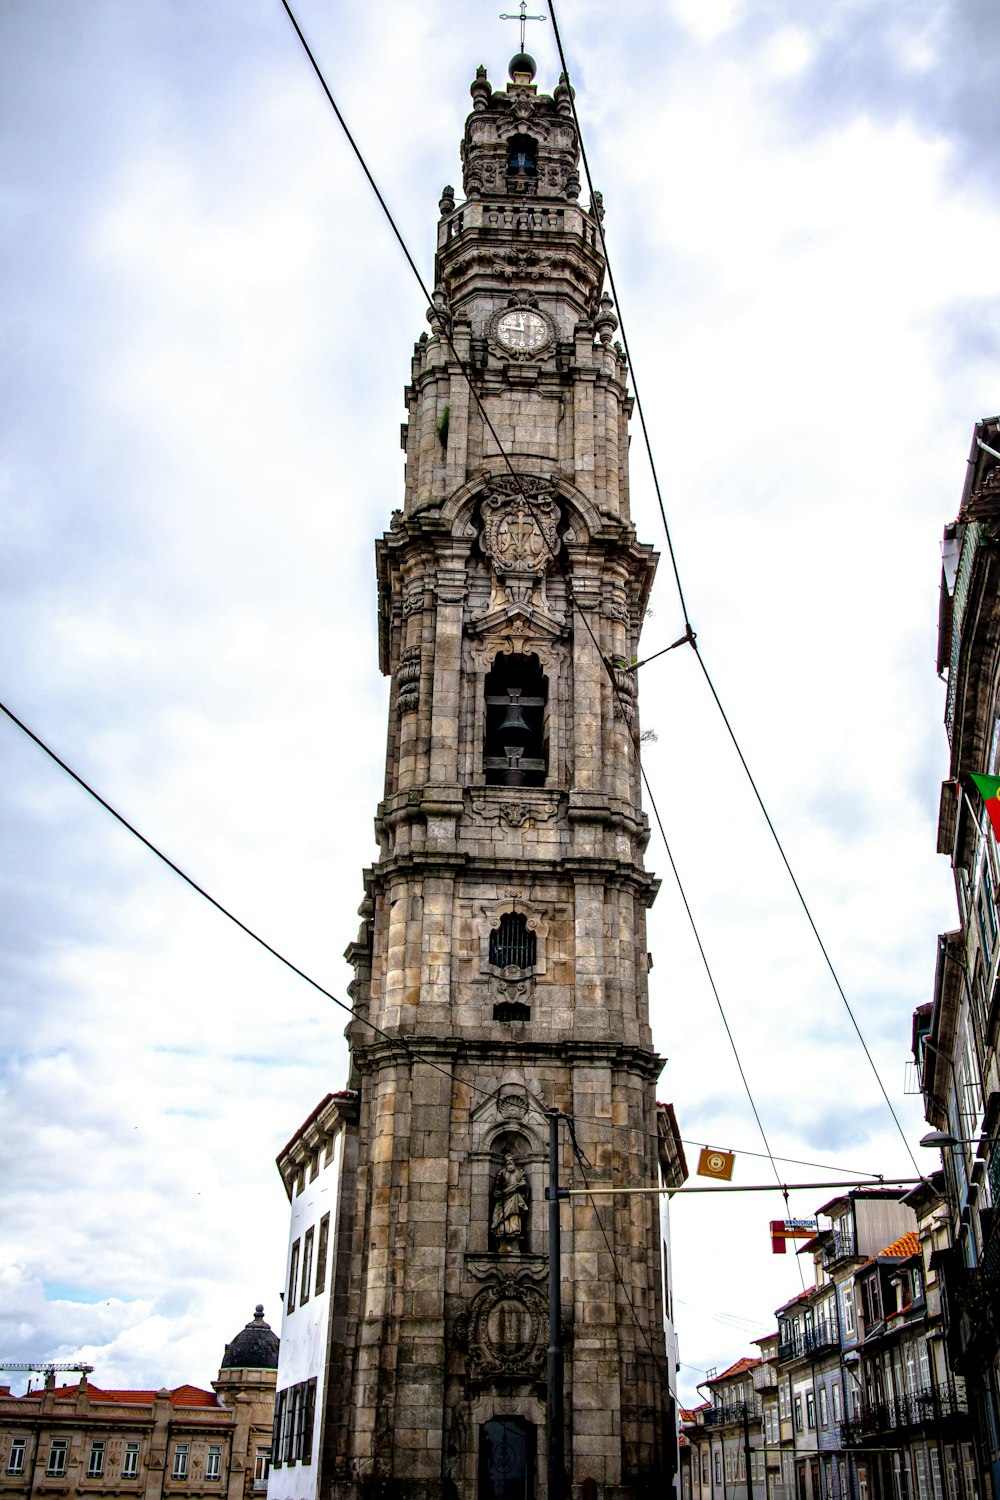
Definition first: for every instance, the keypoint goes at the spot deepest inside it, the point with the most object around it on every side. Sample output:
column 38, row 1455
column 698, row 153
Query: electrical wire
column 690, row 633
column 400, row 1042
column 582, row 1163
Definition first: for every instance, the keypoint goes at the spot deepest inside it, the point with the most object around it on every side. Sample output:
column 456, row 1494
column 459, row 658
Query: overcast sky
column 205, row 330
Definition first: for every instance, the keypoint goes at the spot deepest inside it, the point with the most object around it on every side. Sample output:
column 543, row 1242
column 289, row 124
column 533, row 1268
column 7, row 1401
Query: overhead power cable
column 689, row 631
column 582, row 1164
column 231, row 916
column 558, row 559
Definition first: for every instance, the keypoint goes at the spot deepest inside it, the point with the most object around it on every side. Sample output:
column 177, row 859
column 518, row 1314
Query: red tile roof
column 907, row 1244
column 743, row 1363
column 181, row 1395
column 799, row 1297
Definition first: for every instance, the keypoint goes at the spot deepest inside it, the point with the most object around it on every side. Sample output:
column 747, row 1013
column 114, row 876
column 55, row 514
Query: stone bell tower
column 502, row 952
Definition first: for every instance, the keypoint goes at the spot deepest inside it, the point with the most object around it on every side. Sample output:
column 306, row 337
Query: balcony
column 813, row 1339
column 840, row 1246
column 731, row 1413
column 921, row 1409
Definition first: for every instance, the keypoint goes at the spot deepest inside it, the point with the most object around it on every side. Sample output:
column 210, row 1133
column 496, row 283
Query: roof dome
column 522, row 62
column 255, row 1348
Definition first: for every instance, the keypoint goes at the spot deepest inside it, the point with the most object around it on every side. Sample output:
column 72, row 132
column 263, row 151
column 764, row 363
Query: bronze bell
column 513, row 728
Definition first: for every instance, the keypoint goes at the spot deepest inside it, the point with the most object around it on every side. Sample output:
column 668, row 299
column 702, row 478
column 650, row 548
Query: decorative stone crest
column 413, row 600
column 505, row 1332
column 516, row 812
column 522, row 263
column 520, row 534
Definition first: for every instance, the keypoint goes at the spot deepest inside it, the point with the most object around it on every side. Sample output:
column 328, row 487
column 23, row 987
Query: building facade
column 955, row 1039
column 501, row 966
column 726, row 1435
column 81, row 1440
column 856, row 1397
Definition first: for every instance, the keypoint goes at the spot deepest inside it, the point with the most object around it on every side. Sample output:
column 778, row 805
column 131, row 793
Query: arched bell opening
column 522, row 156
column 515, row 752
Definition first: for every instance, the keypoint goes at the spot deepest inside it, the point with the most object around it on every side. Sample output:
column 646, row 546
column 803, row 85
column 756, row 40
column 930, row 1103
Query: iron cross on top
column 505, row 16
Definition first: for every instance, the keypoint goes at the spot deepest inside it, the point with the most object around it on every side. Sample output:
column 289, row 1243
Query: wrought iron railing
column 914, row 1409
column 841, row 1245
column 731, row 1412
column 809, row 1340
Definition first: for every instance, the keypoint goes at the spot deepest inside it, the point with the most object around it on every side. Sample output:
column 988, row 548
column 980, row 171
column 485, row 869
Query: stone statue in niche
column 510, row 1206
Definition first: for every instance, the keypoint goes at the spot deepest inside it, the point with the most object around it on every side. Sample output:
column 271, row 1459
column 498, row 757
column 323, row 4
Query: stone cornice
column 454, row 1051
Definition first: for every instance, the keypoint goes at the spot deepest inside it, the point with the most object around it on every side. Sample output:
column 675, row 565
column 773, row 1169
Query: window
column 514, row 750
column 718, row 1469
column 294, row 1415
column 213, row 1465
column 261, row 1468
column 95, row 1463
column 130, row 1462
column 835, row 1390
column 300, row 1182
column 15, row 1460
column 278, row 1428
column 512, row 945
column 797, row 1406
column 824, row 1414
column 321, row 1251
column 293, row 1276
column 847, row 1297
column 308, row 1418
column 56, row 1466
column 307, row 1265
column 314, row 1166
column 180, row 1468
column 810, row 1411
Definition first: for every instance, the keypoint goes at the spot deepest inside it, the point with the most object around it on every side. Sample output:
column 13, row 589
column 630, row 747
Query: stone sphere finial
column 520, row 64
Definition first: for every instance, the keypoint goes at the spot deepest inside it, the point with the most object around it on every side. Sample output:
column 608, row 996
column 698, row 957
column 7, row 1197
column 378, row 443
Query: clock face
column 522, row 330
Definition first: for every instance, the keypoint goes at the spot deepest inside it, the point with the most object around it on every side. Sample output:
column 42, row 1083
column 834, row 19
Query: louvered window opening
column 511, row 944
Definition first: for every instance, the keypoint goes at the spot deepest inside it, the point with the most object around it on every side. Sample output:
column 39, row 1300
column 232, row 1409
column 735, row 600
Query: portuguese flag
column 989, row 789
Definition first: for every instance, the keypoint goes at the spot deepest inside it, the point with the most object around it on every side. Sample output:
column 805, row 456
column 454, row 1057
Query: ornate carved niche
column 511, row 1122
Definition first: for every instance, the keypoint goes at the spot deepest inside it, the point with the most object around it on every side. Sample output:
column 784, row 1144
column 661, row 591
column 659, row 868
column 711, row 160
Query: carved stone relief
column 625, row 694
column 408, row 678
column 505, row 1332
column 520, row 533
column 516, row 812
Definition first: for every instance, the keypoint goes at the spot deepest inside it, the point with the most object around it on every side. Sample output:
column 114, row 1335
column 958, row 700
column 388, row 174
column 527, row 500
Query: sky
column 206, row 328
